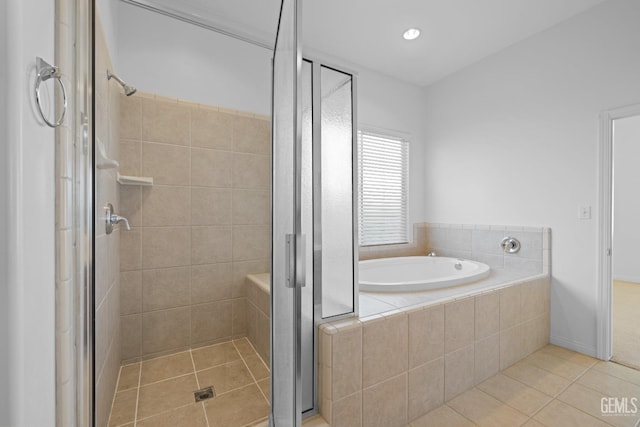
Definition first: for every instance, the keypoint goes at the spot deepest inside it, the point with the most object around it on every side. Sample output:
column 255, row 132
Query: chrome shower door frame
column 78, row 351
column 85, row 168
column 286, row 242
column 297, row 227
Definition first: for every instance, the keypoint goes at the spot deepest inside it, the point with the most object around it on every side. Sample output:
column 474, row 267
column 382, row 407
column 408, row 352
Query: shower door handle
column 295, row 260
column 301, row 275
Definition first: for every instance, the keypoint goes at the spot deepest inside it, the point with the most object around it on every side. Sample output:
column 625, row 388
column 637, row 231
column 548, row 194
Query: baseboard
column 623, row 278
column 573, row 345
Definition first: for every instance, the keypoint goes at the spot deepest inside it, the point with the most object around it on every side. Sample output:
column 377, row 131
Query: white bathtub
column 418, row 273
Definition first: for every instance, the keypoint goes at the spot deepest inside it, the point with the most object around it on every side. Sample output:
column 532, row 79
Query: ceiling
column 455, row 33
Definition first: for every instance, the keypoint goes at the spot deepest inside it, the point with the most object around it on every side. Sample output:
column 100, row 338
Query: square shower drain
column 204, row 394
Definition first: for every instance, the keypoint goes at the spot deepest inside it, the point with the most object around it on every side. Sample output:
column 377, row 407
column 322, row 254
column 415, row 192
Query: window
column 383, row 170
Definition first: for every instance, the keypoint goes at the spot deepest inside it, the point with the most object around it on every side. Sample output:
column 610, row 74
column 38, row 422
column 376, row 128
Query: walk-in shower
column 215, row 196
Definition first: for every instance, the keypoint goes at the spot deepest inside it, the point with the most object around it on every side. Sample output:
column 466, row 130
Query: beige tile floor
column 626, row 318
column 553, row 387
column 159, row 392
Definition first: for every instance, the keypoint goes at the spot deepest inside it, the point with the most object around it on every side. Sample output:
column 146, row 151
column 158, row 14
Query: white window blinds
column 383, row 169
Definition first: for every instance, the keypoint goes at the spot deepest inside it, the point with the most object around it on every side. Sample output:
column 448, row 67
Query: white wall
column 626, row 211
column 513, row 139
column 388, row 103
column 107, row 10
column 161, row 55
column 30, row 284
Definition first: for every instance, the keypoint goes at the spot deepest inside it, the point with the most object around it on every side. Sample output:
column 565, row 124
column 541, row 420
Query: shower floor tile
column 159, row 392
column 237, row 408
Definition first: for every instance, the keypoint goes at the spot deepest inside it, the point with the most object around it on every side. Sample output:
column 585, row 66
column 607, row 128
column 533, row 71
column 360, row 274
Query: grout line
column 567, row 387
column 611, row 376
column 135, row 416
column 193, row 364
column 263, row 362
column 462, row 415
column 195, row 373
column 206, row 417
column 407, row 371
column 255, row 382
column 167, row 379
column 553, row 398
column 529, row 417
column 538, row 367
column 165, row 411
column 115, row 393
column 255, row 422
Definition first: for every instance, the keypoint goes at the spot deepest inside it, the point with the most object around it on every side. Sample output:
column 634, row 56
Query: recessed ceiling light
column 411, row 34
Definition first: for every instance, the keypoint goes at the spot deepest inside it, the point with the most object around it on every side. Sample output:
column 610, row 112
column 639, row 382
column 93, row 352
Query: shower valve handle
column 510, row 245
column 112, row 219
column 117, row 219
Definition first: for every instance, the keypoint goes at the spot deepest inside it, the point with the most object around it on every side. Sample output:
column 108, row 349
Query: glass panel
column 336, row 198
column 285, row 301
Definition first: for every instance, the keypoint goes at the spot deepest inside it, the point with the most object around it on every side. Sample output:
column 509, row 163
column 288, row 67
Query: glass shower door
column 286, row 262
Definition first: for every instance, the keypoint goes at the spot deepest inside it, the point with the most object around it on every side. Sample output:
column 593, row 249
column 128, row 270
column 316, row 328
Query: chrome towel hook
column 45, row 71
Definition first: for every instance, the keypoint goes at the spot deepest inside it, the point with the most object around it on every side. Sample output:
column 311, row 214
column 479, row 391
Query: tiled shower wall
column 199, row 230
column 259, row 314
column 107, row 256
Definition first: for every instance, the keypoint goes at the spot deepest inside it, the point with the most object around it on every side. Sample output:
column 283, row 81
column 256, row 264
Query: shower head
column 128, row 90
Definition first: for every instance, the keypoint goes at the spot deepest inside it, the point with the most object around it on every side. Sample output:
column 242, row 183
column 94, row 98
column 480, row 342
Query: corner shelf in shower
column 135, row 180
column 102, row 160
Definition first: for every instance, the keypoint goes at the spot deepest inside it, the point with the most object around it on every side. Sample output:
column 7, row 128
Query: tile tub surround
column 475, row 242
column 199, row 230
column 392, row 368
column 482, row 243
column 259, row 313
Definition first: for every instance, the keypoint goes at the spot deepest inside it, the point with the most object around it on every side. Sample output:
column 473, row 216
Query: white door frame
column 605, row 227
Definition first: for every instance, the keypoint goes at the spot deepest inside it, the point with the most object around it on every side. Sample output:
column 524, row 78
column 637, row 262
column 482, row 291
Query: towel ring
column 45, row 72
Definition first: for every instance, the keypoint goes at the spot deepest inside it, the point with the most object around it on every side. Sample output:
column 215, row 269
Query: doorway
column 625, row 302
column 619, row 284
